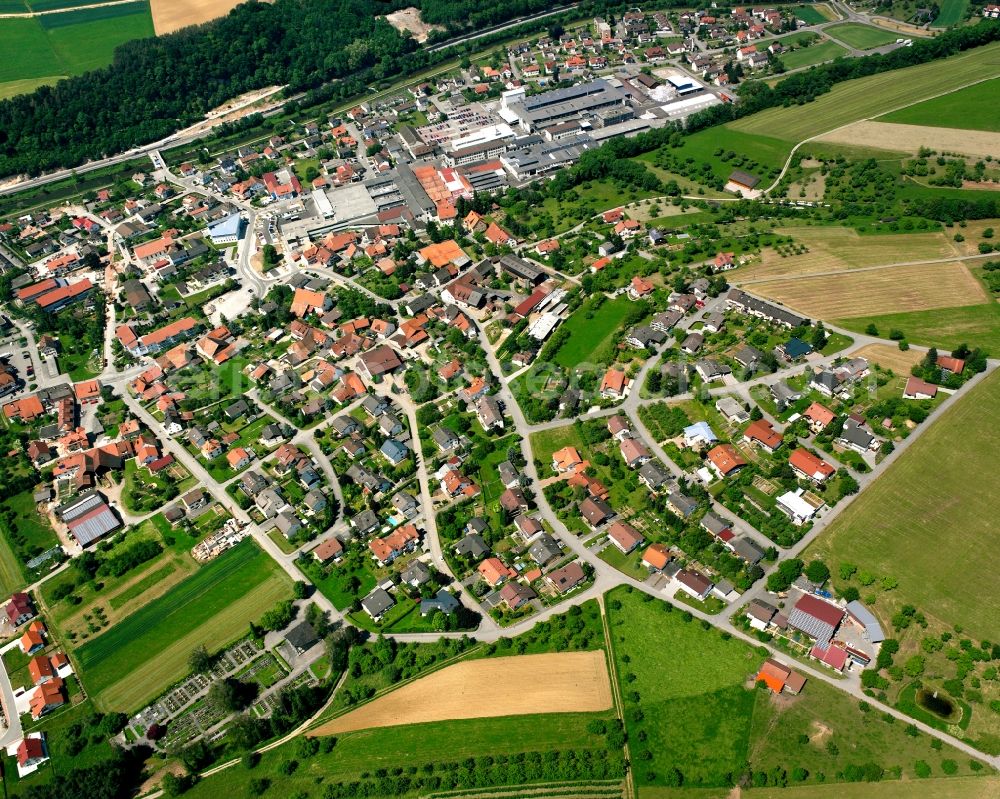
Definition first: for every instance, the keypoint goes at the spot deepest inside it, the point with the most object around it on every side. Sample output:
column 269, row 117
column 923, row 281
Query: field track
column 561, row 682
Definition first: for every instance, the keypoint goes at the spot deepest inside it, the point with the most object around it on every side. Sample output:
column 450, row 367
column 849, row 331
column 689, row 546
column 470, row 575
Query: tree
column 231, row 695
column 200, row 661
column 817, row 572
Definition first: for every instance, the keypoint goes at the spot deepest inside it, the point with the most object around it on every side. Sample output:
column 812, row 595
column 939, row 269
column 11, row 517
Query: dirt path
column 27, row 14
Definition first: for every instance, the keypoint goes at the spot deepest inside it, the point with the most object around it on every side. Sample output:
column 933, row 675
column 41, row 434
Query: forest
column 155, row 86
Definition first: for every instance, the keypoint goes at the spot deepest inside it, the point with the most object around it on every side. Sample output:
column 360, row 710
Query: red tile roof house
column 19, row 609
column 330, row 549
column 725, row 460
column 494, row 572
column 763, row 434
column 47, row 697
column 614, row 384
column 634, row 452
column 919, row 389
column 656, row 557
column 819, row 417
column 625, row 537
column 809, row 466
column 515, row 595
column 379, row 361
column 386, row 550
column 31, row 752
column 693, row 583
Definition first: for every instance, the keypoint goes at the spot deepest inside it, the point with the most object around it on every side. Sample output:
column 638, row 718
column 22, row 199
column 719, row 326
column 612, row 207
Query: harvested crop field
column 560, row 682
column 839, row 249
column 889, row 357
column 872, row 291
column 894, row 136
column 172, row 15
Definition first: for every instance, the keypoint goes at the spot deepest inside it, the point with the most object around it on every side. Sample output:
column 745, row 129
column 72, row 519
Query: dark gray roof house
column 746, row 550
column 473, row 546
column 443, row 601
column 544, row 549
column 654, row 475
column 377, row 603
column 416, row 574
column 364, row 522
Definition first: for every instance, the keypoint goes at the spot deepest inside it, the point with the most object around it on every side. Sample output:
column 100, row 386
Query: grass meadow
column 861, row 37
column 591, row 333
column 700, row 714
column 925, row 519
column 932, row 788
column 413, row 745
column 946, row 328
column 139, row 657
column 971, row 108
column 813, row 54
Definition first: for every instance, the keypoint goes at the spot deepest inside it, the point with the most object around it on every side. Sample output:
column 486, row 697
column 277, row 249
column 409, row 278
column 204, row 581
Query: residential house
column 625, row 537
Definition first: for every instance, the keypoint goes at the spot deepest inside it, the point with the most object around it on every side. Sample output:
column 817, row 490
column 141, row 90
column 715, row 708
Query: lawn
column 136, row 659
column 412, row 745
column 952, row 12
column 591, row 333
column 947, row 328
column 814, row 54
column 57, row 45
column 869, row 96
column 971, row 108
column 861, row 37
column 925, row 519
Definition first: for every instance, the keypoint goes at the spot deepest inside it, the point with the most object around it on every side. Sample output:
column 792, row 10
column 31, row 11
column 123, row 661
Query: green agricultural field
column 952, row 12
column 813, row 14
column 696, row 710
column 977, row 325
column 867, row 97
column 136, row 659
column 412, row 745
column 861, row 37
column 924, row 520
column 54, row 46
column 591, row 333
column 971, row 108
column 814, row 54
